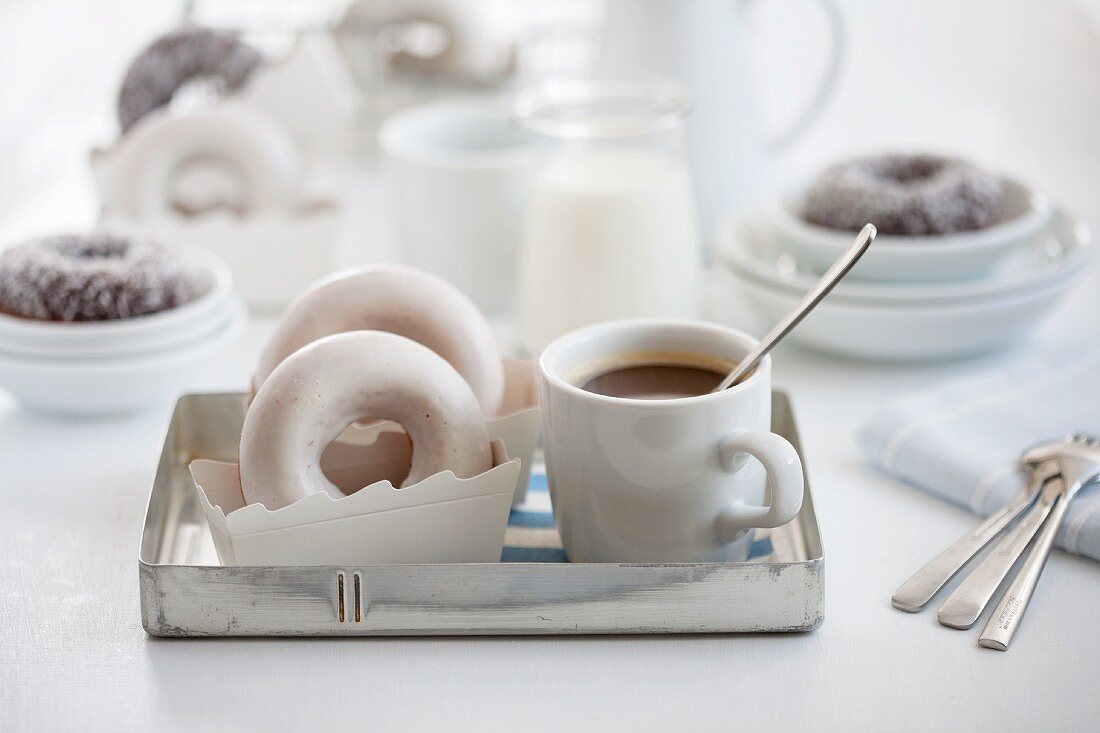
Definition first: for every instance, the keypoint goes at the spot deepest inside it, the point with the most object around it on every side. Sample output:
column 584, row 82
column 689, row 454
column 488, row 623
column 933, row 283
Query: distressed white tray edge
column 179, row 600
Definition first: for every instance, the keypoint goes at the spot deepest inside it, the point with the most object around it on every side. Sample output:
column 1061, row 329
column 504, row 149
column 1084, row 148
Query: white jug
column 701, row 44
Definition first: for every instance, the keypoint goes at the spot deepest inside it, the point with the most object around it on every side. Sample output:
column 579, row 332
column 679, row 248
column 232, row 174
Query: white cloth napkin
column 961, row 441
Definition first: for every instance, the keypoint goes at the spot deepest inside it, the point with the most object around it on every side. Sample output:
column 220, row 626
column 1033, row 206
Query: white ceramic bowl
column 1055, row 257
column 902, row 322
column 101, row 386
column 903, row 333
column 1025, row 214
column 131, row 336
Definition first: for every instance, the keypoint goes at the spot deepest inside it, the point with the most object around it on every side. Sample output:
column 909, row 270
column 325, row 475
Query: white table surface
column 73, row 654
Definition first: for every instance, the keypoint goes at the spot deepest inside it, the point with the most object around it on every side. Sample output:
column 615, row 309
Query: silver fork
column 1079, row 461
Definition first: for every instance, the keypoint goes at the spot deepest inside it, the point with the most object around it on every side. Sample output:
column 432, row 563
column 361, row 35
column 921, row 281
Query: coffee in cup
column 644, row 462
column 656, row 375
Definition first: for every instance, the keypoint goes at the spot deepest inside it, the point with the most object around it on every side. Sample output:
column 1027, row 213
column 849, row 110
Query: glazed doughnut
column 911, row 195
column 400, row 300
column 321, row 389
column 95, row 277
column 177, row 58
column 258, row 158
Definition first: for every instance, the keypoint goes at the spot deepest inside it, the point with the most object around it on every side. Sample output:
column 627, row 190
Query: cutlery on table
column 1080, row 464
column 965, row 605
column 916, row 592
column 1059, row 470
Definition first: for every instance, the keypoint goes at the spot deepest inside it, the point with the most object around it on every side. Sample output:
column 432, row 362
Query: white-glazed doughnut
column 319, row 390
column 232, row 139
column 400, row 300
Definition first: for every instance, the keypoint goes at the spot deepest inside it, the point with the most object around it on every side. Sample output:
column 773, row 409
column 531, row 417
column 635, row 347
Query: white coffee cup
column 456, row 183
column 662, row 480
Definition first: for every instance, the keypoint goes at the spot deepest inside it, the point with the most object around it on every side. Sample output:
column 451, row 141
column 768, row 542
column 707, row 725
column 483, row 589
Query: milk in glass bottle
column 610, row 229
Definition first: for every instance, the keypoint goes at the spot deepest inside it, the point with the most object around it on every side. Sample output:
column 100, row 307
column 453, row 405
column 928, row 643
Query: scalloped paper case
column 442, row 519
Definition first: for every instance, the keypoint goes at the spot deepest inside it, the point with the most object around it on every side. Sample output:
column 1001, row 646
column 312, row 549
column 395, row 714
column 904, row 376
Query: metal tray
column 185, row 592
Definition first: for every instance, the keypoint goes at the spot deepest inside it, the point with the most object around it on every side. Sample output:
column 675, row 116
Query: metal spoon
column 817, row 293
column 964, row 607
column 929, row 580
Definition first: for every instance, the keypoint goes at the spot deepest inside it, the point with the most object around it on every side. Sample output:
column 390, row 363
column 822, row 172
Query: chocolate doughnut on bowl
column 97, row 324
column 941, row 221
column 899, row 321
column 116, row 337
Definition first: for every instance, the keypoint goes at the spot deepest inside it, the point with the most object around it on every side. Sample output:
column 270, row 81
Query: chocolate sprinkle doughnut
column 95, row 277
column 910, row 195
column 180, row 57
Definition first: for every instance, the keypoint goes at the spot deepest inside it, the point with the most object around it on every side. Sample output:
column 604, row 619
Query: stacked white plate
column 105, row 367
column 938, row 298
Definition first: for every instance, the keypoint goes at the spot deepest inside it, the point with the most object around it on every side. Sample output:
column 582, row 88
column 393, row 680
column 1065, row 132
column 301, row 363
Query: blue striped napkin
column 532, row 537
column 961, row 441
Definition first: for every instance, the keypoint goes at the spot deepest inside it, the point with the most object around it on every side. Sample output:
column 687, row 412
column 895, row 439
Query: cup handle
column 786, row 482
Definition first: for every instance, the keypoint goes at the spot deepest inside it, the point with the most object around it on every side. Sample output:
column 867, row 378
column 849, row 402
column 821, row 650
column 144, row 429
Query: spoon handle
column 915, row 593
column 963, row 607
column 817, row 293
column 1006, row 618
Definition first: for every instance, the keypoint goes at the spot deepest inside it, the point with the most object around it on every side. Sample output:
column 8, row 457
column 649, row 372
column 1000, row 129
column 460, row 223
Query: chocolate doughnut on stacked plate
column 966, row 260
column 102, row 322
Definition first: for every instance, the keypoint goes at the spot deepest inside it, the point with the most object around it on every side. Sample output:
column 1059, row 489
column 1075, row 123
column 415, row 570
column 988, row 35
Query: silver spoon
column 817, row 293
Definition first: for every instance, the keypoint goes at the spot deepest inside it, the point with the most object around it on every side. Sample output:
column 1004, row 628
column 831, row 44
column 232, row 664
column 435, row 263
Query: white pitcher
column 701, row 44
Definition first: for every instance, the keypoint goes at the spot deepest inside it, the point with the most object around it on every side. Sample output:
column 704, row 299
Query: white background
column 1012, row 83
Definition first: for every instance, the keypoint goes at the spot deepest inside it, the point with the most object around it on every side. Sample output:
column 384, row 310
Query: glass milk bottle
column 610, row 229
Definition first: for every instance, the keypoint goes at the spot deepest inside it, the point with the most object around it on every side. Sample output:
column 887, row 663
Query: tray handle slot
column 340, row 615
column 358, row 597
column 355, row 608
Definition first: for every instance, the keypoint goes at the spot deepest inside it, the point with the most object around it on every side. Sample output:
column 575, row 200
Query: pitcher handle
column 786, row 482
column 837, row 51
